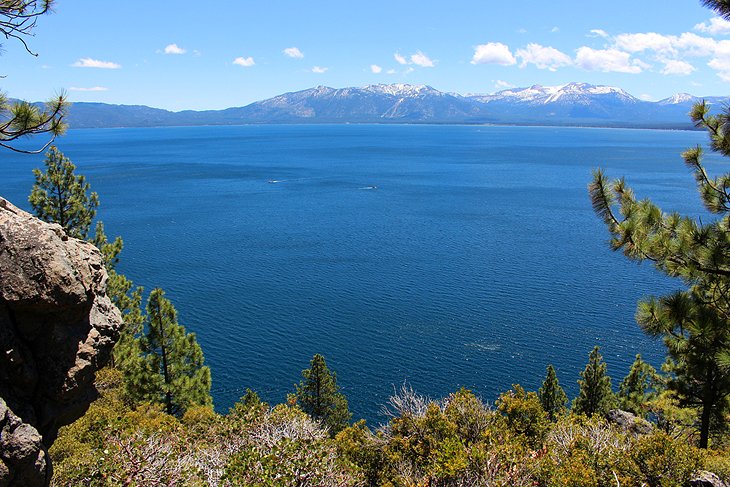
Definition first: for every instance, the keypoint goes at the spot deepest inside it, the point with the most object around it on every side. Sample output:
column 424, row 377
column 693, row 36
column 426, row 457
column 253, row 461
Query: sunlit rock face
column 57, row 328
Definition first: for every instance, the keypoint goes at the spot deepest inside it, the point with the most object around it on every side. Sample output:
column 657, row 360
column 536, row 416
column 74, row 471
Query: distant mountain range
column 572, row 104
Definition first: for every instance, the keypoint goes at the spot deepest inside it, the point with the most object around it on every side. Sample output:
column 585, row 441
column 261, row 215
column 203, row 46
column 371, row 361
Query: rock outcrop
column 57, row 328
column 629, row 422
column 706, row 479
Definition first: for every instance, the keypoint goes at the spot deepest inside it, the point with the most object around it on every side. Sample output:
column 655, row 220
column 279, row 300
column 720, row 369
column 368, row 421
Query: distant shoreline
column 681, row 128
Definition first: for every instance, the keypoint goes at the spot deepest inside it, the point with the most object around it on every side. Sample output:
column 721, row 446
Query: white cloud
column 686, row 44
column 93, row 88
column 87, row 62
column 375, row 68
column 717, row 26
column 721, row 60
column 391, row 71
column 293, row 52
column 645, row 41
column 721, row 64
column 420, row 59
column 246, row 62
column 555, row 29
column 598, row 33
column 319, row 69
column 646, row 97
column 502, row 85
column 675, row 66
column 493, row 53
column 400, row 59
column 694, row 45
column 543, row 57
column 174, row 49
column 607, row 60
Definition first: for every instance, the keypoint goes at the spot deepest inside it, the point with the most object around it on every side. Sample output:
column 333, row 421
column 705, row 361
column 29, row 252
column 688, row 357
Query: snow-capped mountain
column 533, row 94
column 402, row 90
column 369, row 103
column 571, row 93
column 569, row 104
column 577, row 102
column 679, row 98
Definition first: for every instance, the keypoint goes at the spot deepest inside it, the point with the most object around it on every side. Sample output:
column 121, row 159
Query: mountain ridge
column 570, row 104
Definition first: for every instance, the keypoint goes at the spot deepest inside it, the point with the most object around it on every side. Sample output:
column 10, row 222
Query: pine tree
column 59, row 196
column 552, row 396
column 698, row 344
column 722, row 7
column 595, row 395
column 109, row 250
column 127, row 298
column 695, row 323
column 21, row 119
column 319, row 396
column 170, row 369
column 638, row 387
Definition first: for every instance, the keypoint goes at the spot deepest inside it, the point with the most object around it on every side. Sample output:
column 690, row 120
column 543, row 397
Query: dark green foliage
column 18, row 18
column 170, row 368
column 109, row 251
column 697, row 341
column 456, row 442
column 552, row 396
column 126, row 355
column 21, row 119
column 364, row 450
column 524, row 413
column 638, row 388
column 660, row 460
column 722, row 7
column 59, row 196
column 250, row 400
column 595, row 396
column 695, row 323
column 319, row 396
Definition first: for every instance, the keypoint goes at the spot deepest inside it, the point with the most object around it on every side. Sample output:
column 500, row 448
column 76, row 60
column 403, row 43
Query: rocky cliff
column 57, row 328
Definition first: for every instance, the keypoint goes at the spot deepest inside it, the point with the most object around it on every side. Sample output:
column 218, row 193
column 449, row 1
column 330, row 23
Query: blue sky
column 187, row 55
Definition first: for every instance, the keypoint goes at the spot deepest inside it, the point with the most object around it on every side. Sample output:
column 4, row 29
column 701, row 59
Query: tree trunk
column 705, row 425
column 165, row 372
column 707, row 402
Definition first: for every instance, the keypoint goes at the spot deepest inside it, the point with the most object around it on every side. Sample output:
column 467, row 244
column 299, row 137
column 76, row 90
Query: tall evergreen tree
column 551, row 395
column 595, row 395
column 60, row 196
column 319, row 396
column 698, row 344
column 695, row 323
column 638, row 387
column 170, row 369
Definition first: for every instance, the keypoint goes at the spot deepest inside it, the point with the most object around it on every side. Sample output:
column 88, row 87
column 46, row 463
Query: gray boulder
column 704, row 478
column 57, row 328
column 629, row 422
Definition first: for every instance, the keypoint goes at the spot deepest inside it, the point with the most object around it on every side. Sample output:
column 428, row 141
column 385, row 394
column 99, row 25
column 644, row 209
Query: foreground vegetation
column 456, row 441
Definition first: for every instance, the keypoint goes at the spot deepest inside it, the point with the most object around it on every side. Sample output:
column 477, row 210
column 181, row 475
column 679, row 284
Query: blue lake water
column 445, row 256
